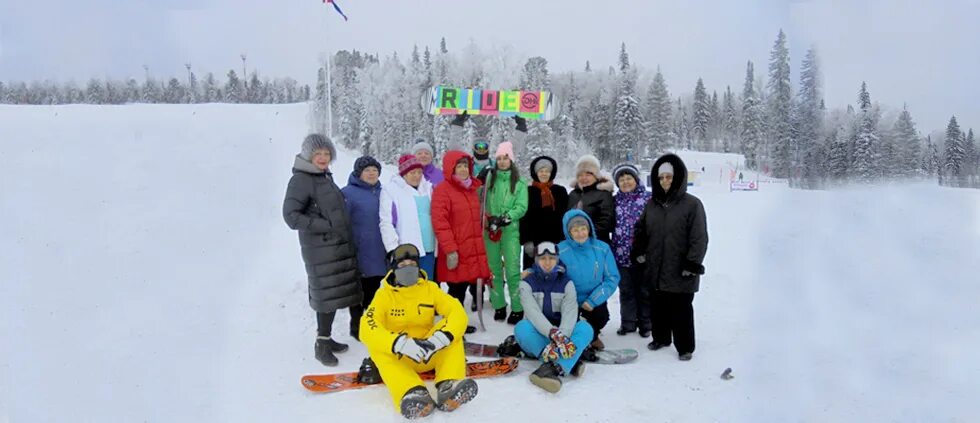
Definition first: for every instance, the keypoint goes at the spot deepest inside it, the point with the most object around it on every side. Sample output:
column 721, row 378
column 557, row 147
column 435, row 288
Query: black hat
column 402, row 252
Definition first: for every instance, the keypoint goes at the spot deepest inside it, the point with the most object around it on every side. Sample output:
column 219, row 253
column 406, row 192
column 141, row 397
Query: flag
column 336, row 8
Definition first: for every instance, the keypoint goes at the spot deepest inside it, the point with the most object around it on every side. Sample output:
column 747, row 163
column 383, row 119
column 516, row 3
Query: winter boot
column 323, row 352
column 510, row 348
column 454, row 393
column 597, row 344
column 654, row 345
column 334, row 345
column 644, row 333
column 470, row 329
column 500, row 314
column 515, row 316
column 623, row 330
column 578, row 370
column 417, row 403
column 589, row 355
column 368, row 373
column 547, row 377
column 685, row 356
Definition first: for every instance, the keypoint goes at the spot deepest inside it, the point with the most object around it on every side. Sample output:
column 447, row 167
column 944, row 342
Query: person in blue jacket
column 591, row 265
column 551, row 330
column 362, row 198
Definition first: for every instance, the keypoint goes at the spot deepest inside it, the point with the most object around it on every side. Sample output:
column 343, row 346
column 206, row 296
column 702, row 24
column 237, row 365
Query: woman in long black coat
column 671, row 238
column 314, row 206
column 546, row 204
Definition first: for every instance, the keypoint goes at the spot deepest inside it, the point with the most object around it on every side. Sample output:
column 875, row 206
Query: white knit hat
column 666, row 168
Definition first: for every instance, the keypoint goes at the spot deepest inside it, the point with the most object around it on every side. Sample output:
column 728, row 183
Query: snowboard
column 606, row 356
column 338, row 382
column 446, row 100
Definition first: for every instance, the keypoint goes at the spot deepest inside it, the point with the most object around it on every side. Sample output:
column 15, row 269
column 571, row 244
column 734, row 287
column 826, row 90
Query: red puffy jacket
column 458, row 225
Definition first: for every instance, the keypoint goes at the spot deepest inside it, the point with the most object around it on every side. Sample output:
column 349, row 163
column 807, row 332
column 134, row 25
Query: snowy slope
column 146, row 275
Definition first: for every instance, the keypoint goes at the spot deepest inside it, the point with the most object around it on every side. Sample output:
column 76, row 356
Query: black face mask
column 407, row 276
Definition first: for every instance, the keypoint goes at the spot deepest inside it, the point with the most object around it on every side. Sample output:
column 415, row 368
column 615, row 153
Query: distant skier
column 314, row 206
column 404, row 338
column 672, row 239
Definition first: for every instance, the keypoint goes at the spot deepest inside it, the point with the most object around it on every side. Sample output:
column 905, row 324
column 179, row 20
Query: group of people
column 381, row 249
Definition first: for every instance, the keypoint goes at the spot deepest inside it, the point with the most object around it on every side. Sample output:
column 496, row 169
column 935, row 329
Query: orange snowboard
column 337, row 382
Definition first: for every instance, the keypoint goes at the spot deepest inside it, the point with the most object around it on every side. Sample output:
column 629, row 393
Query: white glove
column 641, row 259
column 436, row 342
column 529, row 249
column 409, row 347
column 452, row 260
column 686, row 274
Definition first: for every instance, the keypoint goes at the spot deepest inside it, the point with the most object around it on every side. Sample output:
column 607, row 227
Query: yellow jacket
column 410, row 310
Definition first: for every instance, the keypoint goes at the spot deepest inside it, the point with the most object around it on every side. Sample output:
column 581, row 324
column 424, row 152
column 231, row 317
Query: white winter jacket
column 398, row 206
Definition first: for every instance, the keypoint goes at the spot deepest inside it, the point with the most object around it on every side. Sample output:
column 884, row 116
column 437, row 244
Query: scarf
column 547, row 199
column 465, row 182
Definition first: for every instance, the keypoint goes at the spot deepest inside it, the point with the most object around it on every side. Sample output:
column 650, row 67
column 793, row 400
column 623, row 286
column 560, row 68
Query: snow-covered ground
column 146, row 275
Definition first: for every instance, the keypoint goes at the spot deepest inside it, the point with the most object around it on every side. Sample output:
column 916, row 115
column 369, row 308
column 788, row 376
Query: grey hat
column 314, row 142
column 578, row 221
column 542, row 164
column 422, row 145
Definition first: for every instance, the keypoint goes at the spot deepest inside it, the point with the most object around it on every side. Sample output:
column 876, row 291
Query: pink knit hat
column 407, row 163
column 505, row 149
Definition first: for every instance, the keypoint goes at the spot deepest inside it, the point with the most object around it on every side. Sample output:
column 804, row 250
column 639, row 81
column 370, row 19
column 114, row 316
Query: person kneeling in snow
column 403, row 338
column 551, row 330
column 592, row 267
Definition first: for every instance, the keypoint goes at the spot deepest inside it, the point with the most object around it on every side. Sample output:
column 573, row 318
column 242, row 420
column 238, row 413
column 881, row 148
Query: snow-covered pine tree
column 730, row 122
column 972, row 159
column 780, row 108
column 627, row 124
column 809, row 116
column 838, row 156
column 908, row 145
column 954, row 159
column 701, row 116
column 234, row 91
column 94, row 93
column 256, row 90
column 175, row 92
column 210, row 90
column 752, row 126
column 717, row 122
column 866, row 141
column 682, row 126
column 658, row 120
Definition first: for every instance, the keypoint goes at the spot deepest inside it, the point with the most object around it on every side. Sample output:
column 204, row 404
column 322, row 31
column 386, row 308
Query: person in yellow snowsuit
column 404, row 339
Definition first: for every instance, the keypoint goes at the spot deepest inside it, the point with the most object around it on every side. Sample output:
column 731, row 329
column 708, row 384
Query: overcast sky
column 924, row 53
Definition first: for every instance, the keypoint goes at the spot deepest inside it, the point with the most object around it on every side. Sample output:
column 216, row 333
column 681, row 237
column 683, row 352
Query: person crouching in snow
column 591, row 265
column 404, row 339
column 551, row 330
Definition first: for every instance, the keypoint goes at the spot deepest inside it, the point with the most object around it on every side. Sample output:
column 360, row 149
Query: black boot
column 588, row 355
column 454, row 393
column 417, row 403
column 510, row 348
column 653, row 346
column 644, row 333
column 579, row 368
column 623, row 330
column 547, row 377
column 515, row 316
column 368, row 373
column 323, row 352
column 470, row 329
column 500, row 314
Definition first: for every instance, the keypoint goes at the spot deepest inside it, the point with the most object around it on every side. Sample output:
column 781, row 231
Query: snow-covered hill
column 146, row 275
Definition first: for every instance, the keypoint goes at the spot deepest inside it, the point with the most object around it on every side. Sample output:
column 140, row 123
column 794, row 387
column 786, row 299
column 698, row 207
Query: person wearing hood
column 631, row 199
column 671, row 239
column 546, row 204
column 314, row 206
column 457, row 222
column 406, row 212
column 362, row 195
column 592, row 192
column 592, row 267
column 404, row 338
column 551, row 330
column 506, row 203
column 426, row 155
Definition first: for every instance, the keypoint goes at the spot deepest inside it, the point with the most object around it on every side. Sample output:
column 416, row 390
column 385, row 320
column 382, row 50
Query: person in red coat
column 458, row 225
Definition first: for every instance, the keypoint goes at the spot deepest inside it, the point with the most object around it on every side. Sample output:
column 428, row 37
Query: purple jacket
column 629, row 207
column 433, row 174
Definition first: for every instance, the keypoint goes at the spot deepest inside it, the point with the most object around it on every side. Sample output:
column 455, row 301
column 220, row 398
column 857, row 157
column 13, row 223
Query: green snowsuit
column 504, row 256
